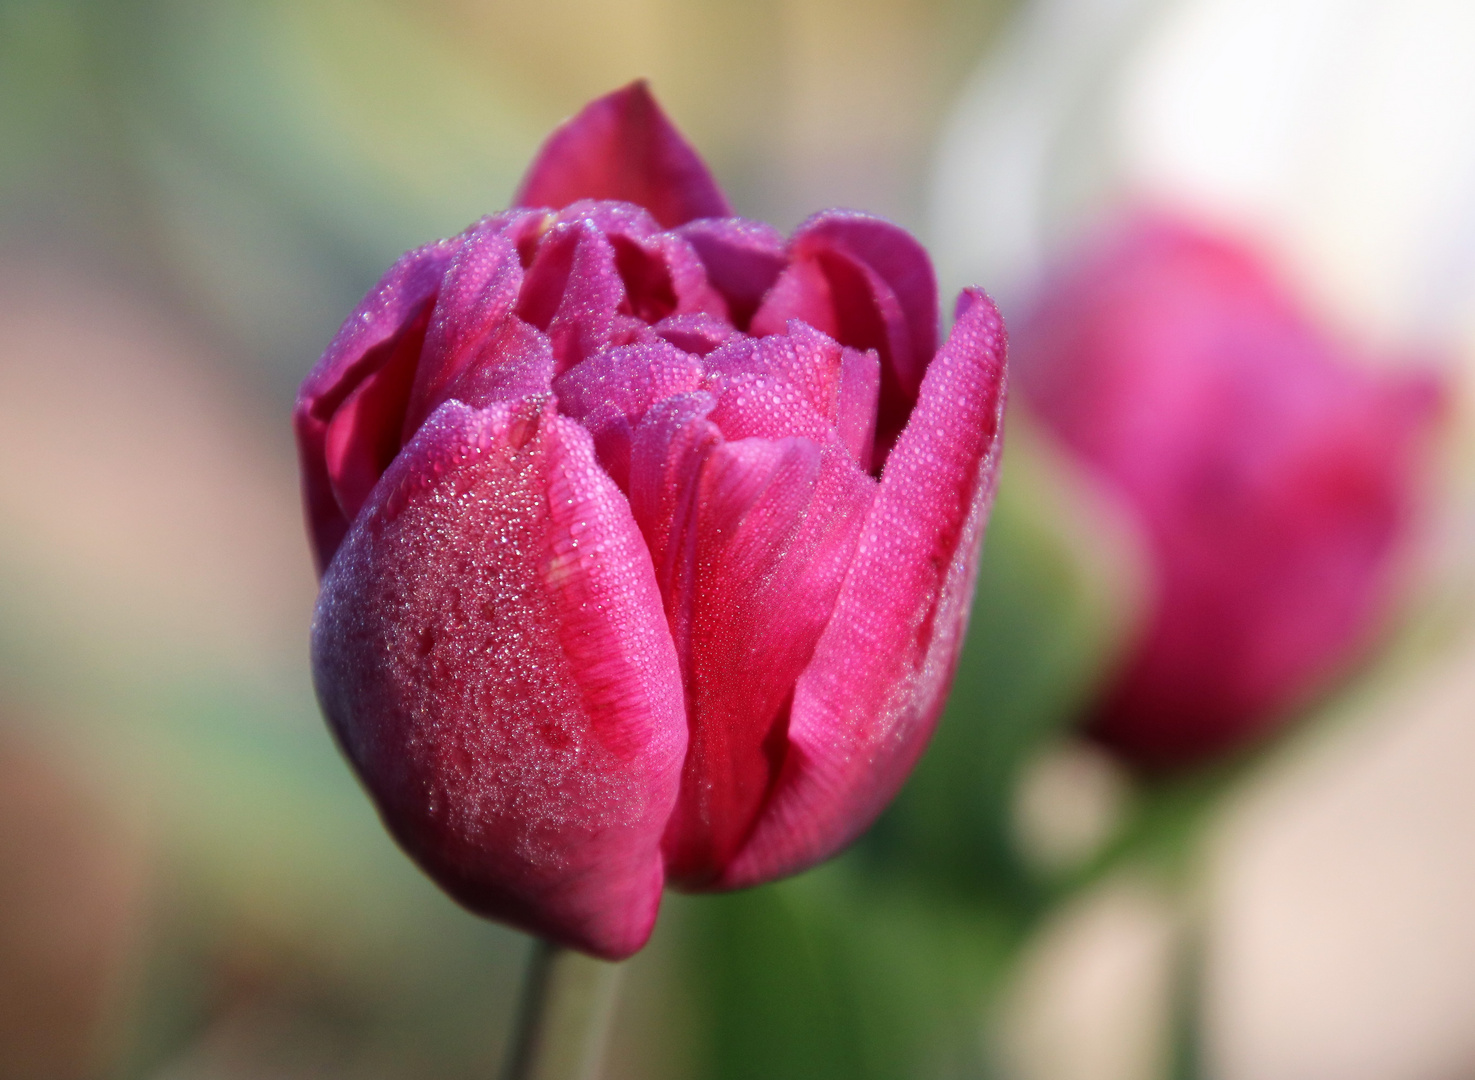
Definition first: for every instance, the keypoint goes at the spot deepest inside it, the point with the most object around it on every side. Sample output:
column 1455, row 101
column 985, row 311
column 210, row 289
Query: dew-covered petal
column 697, row 333
column 573, row 291
column 630, row 377
column 870, row 285
column 491, row 650
column 666, row 455
column 801, row 382
column 743, row 259
column 661, row 271
column 369, row 366
column 480, row 288
column 515, row 361
column 622, row 147
column 856, row 403
column 766, row 546
column 866, row 704
column 895, row 257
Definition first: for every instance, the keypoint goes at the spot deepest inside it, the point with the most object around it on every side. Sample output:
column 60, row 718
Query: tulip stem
column 568, row 1002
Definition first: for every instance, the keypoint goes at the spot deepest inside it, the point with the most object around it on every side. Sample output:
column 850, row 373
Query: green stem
column 567, row 1005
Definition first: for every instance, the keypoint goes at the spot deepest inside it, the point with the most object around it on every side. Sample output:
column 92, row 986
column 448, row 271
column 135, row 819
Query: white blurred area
column 1333, row 901
column 1337, row 134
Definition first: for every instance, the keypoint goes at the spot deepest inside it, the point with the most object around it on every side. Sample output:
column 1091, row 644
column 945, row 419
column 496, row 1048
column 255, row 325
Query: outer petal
column 774, row 526
column 623, row 147
column 491, row 651
column 365, row 376
column 866, row 704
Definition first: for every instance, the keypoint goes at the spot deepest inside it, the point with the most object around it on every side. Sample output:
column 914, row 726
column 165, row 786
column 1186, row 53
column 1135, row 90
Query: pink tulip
column 1274, row 476
column 647, row 537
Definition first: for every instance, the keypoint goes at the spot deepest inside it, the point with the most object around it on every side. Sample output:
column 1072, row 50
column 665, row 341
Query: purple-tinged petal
column 369, row 366
column 622, row 147
column 801, row 357
column 491, row 651
column 866, row 704
column 631, row 378
column 611, row 392
column 743, row 259
column 801, row 382
column 574, row 292
column 697, row 333
column 774, row 526
column 514, row 362
column 766, row 407
column 480, row 288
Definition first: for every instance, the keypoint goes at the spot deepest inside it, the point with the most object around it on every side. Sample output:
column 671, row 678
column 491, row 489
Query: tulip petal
column 1273, row 473
column 480, row 288
column 866, row 704
column 894, row 257
column 622, row 147
column 631, row 378
column 491, row 651
column 661, row 271
column 801, row 382
column 516, row 361
column 575, row 294
column 697, row 333
column 774, row 526
column 870, row 285
column 743, row 259
column 368, row 357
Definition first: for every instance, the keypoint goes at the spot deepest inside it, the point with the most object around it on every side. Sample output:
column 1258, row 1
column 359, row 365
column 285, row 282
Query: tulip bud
column 647, row 537
column 1273, row 474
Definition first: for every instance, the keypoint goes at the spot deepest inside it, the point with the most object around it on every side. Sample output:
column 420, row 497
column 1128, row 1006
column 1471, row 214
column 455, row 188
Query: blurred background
column 192, row 197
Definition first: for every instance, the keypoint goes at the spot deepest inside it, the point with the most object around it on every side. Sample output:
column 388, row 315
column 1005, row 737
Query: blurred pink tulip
column 1275, row 478
column 647, row 538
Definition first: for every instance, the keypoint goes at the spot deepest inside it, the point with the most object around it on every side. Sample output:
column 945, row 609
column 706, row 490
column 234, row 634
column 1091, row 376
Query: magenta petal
column 480, row 288
column 491, row 651
column 515, row 361
column 379, row 344
column 743, row 259
column 865, row 706
column 855, row 406
column 666, row 455
column 574, row 292
column 1274, row 474
column 697, row 333
column 893, row 255
column 631, row 378
column 802, row 292
column 661, row 271
column 801, row 382
column 870, row 285
column 774, row 527
column 623, row 147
